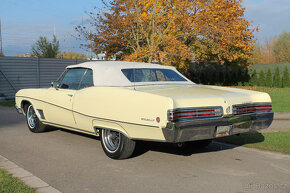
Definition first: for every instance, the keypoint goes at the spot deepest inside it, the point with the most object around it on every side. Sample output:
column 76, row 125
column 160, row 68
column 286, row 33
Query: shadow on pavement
column 242, row 139
column 143, row 147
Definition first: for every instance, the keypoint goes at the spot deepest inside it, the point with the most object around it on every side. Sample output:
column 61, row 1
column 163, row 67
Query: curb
column 26, row 177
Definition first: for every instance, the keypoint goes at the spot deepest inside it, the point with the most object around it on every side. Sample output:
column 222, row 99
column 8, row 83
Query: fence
column 19, row 73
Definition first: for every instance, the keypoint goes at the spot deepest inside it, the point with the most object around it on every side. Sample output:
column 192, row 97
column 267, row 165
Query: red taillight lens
column 194, row 113
column 252, row 108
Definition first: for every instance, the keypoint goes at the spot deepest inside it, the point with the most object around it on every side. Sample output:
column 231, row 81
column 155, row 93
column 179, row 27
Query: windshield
column 151, row 75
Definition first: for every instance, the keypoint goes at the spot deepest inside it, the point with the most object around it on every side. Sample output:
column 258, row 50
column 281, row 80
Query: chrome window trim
column 60, row 79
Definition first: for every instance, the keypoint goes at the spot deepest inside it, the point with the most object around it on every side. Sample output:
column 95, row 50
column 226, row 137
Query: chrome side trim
column 67, row 127
column 91, row 116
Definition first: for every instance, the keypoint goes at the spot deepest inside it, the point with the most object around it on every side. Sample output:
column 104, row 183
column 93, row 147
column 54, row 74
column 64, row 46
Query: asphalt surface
column 72, row 162
column 281, row 123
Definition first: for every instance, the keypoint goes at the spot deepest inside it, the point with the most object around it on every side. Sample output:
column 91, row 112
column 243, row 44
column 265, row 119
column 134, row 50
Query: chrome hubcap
column 111, row 140
column 31, row 117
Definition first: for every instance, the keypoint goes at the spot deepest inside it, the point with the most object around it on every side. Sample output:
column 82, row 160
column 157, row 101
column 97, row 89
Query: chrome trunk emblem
column 228, row 110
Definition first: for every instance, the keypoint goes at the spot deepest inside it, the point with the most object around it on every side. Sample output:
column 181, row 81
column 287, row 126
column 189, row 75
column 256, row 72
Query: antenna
column 58, row 37
column 54, row 30
column 1, row 48
column 91, row 45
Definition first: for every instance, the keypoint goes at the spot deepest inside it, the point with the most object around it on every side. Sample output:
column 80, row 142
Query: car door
column 60, row 99
column 83, row 122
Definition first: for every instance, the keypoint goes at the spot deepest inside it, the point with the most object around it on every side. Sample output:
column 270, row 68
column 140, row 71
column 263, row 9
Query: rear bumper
column 194, row 130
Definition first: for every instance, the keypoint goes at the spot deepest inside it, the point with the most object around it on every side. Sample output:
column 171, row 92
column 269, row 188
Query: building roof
column 108, row 73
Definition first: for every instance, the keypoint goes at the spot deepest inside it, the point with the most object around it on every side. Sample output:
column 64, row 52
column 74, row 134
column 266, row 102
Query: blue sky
column 23, row 21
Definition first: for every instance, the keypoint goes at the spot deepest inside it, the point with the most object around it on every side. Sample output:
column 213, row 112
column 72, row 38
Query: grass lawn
column 9, row 184
column 280, row 97
column 276, row 141
column 9, row 103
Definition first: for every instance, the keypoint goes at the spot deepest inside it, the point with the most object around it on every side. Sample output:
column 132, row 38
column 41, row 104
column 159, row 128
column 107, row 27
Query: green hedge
column 272, row 80
column 227, row 75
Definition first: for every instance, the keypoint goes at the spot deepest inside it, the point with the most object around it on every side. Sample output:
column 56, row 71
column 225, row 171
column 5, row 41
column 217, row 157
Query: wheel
column 32, row 120
column 116, row 145
column 198, row 144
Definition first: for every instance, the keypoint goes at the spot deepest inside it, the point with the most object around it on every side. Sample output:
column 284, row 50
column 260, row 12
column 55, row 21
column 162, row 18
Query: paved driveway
column 76, row 163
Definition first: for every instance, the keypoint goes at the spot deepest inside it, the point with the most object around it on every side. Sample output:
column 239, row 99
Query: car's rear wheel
column 116, row 145
column 32, row 120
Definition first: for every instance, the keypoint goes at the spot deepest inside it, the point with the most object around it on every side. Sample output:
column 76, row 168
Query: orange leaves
column 174, row 32
column 223, row 27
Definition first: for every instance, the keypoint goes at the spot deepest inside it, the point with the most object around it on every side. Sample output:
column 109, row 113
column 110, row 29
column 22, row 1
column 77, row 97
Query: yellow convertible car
column 125, row 101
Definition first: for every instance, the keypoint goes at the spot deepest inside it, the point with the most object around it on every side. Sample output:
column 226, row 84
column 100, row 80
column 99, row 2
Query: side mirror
column 55, row 85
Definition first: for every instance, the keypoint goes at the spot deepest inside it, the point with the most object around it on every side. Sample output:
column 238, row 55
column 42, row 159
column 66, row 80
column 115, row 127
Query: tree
column 286, row 80
column 172, row 32
column 71, row 55
column 282, row 47
column 269, row 78
column 262, row 78
column 277, row 78
column 254, row 78
column 272, row 51
column 46, row 49
column 221, row 77
column 256, row 57
column 246, row 76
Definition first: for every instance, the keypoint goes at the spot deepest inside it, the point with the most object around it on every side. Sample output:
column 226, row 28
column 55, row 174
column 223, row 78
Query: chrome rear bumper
column 192, row 130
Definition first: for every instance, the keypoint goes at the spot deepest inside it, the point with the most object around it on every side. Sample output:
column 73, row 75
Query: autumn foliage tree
column 281, row 47
column 272, row 51
column 172, row 32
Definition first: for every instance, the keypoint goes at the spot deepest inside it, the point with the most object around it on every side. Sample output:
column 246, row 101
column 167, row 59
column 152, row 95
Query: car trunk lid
column 186, row 96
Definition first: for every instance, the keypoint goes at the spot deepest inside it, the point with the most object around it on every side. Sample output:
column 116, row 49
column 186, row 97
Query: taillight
column 194, row 113
column 252, row 108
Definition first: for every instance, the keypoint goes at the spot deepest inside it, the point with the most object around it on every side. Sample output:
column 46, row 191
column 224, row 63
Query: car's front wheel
column 116, row 145
column 32, row 120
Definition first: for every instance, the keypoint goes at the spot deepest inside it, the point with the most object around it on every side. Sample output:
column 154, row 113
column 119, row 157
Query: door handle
column 70, row 95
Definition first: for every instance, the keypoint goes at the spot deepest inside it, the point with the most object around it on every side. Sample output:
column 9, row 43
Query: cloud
column 272, row 17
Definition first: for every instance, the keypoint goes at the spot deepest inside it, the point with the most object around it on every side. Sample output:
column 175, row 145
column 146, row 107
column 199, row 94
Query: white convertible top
column 108, row 73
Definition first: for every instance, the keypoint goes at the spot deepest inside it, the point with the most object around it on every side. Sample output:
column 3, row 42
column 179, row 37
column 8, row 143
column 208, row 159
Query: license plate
column 222, row 131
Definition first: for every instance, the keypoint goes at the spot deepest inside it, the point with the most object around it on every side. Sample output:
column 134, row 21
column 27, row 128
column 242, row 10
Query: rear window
column 151, row 75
